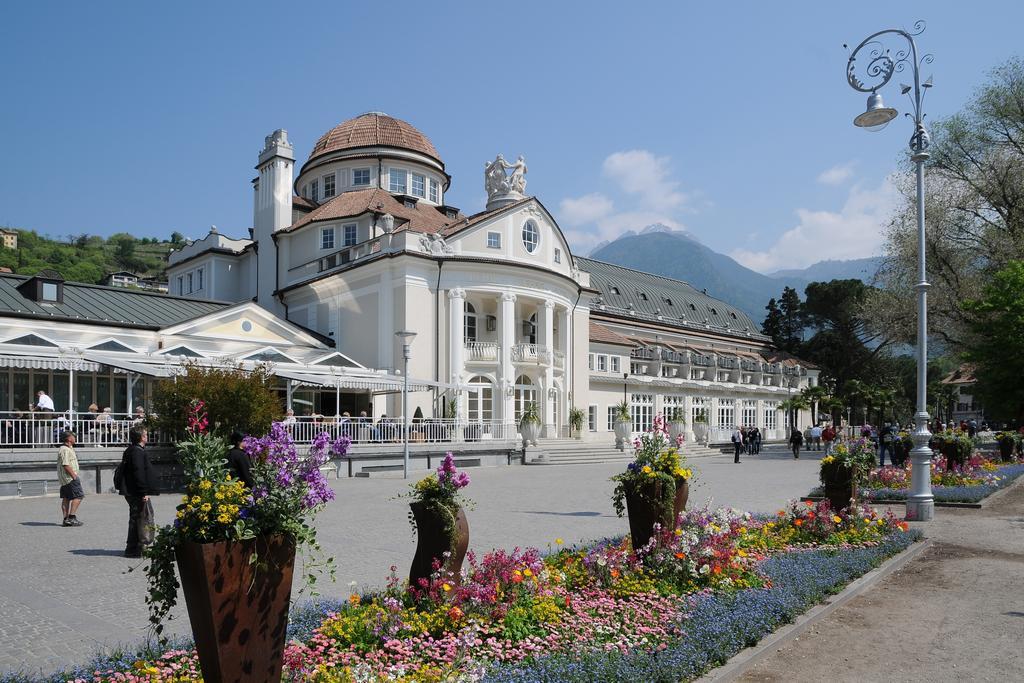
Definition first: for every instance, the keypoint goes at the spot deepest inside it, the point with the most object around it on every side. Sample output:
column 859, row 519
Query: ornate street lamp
column 880, row 66
column 406, row 338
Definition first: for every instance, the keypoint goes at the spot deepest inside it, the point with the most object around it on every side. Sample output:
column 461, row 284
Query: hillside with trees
column 87, row 258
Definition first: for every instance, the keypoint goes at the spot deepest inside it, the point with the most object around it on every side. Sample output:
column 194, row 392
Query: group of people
column 814, row 438
column 746, row 440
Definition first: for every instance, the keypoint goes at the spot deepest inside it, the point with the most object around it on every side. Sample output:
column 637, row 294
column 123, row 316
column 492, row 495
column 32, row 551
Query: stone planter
column 676, row 430
column 530, row 431
column 679, row 504
column 434, row 539
column 238, row 610
column 623, row 430
column 645, row 509
column 700, row 432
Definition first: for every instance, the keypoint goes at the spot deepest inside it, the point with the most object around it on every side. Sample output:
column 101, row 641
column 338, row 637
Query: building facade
column 360, row 244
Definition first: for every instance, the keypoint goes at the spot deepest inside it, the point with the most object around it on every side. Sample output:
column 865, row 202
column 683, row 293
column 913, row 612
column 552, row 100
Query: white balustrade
column 482, row 352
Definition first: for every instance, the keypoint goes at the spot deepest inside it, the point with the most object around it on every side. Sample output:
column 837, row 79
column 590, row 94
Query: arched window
column 526, row 393
column 481, row 403
column 469, row 323
column 531, row 236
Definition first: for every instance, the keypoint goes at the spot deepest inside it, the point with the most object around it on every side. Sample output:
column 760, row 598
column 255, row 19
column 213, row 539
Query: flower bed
column 688, row 599
column 979, row 477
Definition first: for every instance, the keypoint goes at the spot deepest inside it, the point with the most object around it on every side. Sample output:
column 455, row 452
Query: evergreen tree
column 772, row 325
column 791, row 321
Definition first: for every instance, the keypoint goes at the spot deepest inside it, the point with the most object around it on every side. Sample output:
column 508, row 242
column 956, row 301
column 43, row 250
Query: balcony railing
column 642, row 353
column 349, row 254
column 482, row 351
column 392, row 430
column 43, row 430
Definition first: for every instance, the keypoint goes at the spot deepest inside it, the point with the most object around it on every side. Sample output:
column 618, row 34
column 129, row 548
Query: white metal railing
column 482, row 351
column 391, row 431
column 526, row 353
column 43, row 430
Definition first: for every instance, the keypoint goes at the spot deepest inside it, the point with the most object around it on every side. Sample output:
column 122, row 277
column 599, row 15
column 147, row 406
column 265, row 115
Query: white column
column 737, row 414
column 456, row 334
column 688, row 413
column 546, row 339
column 507, row 326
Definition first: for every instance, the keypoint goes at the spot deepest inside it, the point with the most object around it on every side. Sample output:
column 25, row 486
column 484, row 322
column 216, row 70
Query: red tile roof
column 962, row 375
column 422, row 218
column 603, row 335
column 374, row 130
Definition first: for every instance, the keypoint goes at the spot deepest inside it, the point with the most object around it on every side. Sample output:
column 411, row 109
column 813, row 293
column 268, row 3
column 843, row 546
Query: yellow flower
column 205, row 507
column 646, row 469
column 181, row 514
column 446, row 587
column 741, row 552
column 559, row 541
column 527, row 572
column 837, row 519
column 219, row 495
column 223, row 519
column 195, row 500
column 679, row 532
column 205, row 484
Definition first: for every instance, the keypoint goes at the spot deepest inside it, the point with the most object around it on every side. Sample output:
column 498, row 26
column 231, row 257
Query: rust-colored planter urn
column 434, row 539
column 840, row 488
column 679, row 504
column 238, row 609
column 645, row 508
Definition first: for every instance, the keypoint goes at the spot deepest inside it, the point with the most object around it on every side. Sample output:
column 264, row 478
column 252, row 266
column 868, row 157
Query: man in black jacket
column 238, row 464
column 139, row 484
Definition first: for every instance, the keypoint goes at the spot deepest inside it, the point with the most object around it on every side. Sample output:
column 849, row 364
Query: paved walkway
column 64, row 592
column 954, row 614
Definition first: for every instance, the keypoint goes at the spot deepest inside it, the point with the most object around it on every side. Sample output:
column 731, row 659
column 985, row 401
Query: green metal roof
column 640, row 295
column 95, row 304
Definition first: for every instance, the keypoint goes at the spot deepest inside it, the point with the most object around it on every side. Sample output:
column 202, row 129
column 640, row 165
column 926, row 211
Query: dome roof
column 374, row 129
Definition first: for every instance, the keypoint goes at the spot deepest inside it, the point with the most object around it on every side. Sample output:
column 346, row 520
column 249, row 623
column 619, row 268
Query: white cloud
column 585, row 209
column 837, row 175
column 640, row 173
column 853, row 232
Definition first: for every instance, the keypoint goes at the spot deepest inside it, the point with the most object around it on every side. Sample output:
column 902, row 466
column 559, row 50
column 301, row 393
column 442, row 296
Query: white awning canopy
column 161, row 370
column 369, row 382
column 42, row 362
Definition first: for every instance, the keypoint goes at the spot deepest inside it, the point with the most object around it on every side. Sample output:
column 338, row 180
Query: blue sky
column 731, row 120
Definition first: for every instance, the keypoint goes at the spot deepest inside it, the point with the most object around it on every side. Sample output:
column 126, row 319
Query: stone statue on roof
column 503, row 188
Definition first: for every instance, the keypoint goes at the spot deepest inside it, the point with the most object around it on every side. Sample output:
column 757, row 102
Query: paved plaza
column 64, row 592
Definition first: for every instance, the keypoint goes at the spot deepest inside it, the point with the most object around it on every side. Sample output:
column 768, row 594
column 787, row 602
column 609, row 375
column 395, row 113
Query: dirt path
column 954, row 614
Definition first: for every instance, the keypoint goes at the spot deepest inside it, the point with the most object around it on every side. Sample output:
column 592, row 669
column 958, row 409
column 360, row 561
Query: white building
column 360, row 244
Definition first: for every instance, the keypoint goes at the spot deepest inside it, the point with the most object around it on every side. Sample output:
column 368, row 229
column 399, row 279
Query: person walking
column 828, row 435
column 796, row 440
column 755, row 441
column 815, row 438
column 737, row 443
column 71, row 492
column 238, row 465
column 886, row 439
column 139, row 484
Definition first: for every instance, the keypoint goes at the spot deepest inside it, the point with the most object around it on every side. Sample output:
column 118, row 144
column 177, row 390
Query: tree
column 792, row 406
column 974, row 212
column 772, row 325
column 177, row 238
column 996, row 345
column 792, row 327
column 234, row 398
column 124, row 252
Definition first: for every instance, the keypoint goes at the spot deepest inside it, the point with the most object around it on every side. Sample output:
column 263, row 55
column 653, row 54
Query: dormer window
column 361, row 177
column 328, row 186
column 49, row 292
column 615, row 290
column 46, row 287
column 314, row 190
column 668, row 301
column 531, row 236
column 409, row 203
column 435, row 191
column 643, row 297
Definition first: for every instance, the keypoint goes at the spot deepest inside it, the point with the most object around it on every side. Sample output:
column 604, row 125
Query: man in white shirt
column 737, row 443
column 43, row 402
column 815, row 438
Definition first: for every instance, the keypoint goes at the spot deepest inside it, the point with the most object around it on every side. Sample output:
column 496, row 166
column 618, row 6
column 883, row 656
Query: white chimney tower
column 273, row 212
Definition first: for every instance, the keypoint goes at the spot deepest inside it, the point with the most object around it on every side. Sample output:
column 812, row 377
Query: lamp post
column 406, row 338
column 880, row 66
column 625, row 377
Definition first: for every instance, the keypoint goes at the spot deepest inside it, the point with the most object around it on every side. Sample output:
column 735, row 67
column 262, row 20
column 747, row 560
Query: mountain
column 678, row 254
column 823, row 271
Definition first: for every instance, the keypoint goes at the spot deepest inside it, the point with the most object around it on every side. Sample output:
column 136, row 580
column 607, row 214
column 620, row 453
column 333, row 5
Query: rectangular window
column 750, row 413
column 611, row 417
column 494, row 240
column 435, row 193
column 181, row 285
column 314, row 190
column 396, row 180
column 49, row 291
column 328, row 186
column 199, row 279
column 590, row 362
column 642, row 411
column 726, row 413
column 327, row 238
column 419, row 185
column 602, row 363
column 190, row 283
column 361, row 176
column 558, row 255
column 351, row 234
column 592, row 418
column 771, row 415
column 613, row 363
